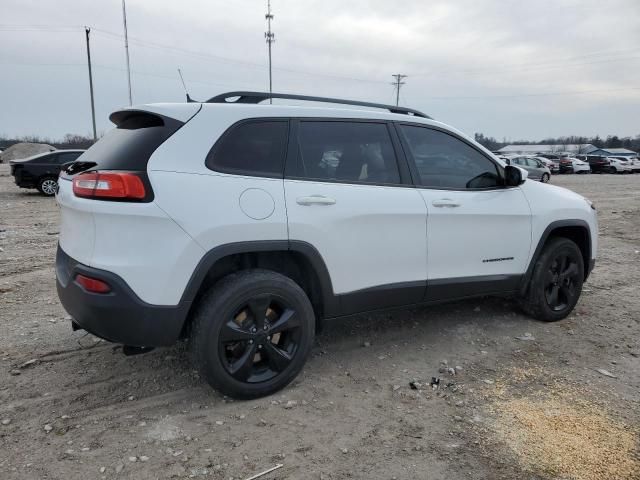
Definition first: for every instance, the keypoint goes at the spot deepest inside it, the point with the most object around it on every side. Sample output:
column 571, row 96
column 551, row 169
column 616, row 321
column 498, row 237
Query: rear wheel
column 48, row 186
column 252, row 333
column 556, row 281
column 545, row 178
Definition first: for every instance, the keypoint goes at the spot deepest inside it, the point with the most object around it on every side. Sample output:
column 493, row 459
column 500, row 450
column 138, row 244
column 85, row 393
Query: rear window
column 130, row 145
column 256, row 148
column 67, row 157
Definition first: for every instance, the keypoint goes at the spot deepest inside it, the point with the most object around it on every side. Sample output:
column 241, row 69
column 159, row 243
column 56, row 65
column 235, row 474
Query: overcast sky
column 510, row 69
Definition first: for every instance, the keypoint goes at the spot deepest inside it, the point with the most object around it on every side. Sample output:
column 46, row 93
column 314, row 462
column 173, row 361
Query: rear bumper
column 118, row 316
column 24, row 181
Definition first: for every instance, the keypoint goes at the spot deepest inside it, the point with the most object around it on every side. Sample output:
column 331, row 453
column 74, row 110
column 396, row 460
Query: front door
column 478, row 232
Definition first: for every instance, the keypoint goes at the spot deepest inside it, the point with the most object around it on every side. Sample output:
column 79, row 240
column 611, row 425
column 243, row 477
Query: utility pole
column 398, row 83
column 270, row 36
column 93, row 108
column 126, row 48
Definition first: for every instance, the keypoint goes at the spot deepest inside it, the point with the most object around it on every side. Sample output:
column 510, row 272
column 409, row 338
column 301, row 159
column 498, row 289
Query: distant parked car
column 598, row 163
column 619, row 165
column 632, row 162
column 41, row 171
column 580, row 166
column 564, row 164
column 552, row 165
column 536, row 169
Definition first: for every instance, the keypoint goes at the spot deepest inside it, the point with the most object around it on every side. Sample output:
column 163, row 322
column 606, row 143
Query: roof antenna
column 189, row 99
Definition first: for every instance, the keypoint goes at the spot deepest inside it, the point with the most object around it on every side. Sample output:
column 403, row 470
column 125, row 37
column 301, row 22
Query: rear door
column 478, row 232
column 349, row 197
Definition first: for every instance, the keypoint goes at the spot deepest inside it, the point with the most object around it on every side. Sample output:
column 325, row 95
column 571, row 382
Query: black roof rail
column 257, row 97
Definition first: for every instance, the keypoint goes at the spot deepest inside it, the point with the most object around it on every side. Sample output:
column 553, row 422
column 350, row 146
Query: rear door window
column 255, row 148
column 346, row 151
column 444, row 161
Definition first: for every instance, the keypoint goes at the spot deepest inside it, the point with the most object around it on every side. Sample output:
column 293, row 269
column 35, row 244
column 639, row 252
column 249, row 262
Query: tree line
column 70, row 140
column 611, row 141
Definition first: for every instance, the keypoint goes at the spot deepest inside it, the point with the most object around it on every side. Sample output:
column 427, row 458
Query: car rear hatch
column 111, row 186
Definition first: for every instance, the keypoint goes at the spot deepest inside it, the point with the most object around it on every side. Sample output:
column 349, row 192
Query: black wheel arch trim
column 589, row 262
column 306, row 249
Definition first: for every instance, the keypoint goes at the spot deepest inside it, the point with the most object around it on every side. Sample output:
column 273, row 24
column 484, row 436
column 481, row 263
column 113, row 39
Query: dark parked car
column 564, row 162
column 41, row 171
column 598, row 163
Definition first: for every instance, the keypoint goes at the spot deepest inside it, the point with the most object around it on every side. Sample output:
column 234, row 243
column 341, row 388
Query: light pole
column 126, row 48
column 93, row 108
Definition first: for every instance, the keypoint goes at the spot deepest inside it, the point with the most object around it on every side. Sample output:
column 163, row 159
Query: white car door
column 345, row 197
column 478, row 232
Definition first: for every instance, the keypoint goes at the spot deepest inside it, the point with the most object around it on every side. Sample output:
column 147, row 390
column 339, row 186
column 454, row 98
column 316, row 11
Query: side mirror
column 514, row 176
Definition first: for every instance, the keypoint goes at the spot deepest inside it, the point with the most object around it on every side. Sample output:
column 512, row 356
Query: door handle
column 315, row 200
column 445, row 203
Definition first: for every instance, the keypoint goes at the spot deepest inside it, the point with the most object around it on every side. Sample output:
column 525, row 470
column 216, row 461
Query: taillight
column 92, row 284
column 109, row 185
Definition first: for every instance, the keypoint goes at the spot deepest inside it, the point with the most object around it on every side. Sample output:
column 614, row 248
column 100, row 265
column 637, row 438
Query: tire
column 545, row 178
column 48, row 186
column 237, row 321
column 556, row 282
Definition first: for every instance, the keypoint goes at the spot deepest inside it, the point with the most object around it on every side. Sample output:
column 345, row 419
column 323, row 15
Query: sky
column 507, row 68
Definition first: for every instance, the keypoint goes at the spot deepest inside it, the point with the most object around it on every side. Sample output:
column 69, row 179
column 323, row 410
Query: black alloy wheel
column 556, row 281
column 252, row 332
column 560, row 281
column 260, row 340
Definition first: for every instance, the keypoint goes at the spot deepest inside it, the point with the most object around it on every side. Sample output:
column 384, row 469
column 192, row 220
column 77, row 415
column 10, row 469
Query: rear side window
column 130, row 145
column 353, row 152
column 443, row 161
column 255, row 148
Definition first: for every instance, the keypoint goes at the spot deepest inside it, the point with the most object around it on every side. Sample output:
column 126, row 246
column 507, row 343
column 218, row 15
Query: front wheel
column 252, row 333
column 556, row 282
column 48, row 186
column 545, row 178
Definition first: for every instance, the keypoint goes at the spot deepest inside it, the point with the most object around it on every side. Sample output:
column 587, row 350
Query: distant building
column 575, row 149
column 614, row 152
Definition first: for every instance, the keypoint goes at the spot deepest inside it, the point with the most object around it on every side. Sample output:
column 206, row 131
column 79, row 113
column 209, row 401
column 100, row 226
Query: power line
column 207, row 56
column 528, row 66
column 397, row 84
column 201, row 55
column 542, row 94
column 120, row 69
column 207, row 82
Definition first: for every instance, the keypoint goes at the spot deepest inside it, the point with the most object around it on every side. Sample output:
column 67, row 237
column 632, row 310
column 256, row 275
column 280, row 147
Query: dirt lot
column 527, row 399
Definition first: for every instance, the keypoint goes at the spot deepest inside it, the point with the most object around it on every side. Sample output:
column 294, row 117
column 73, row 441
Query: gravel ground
column 526, row 401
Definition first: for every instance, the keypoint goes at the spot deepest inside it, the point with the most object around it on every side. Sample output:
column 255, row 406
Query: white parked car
column 632, row 162
column 242, row 226
column 619, row 165
column 579, row 166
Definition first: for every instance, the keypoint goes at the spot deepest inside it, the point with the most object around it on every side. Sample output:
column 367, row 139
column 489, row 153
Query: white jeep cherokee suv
column 242, row 225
